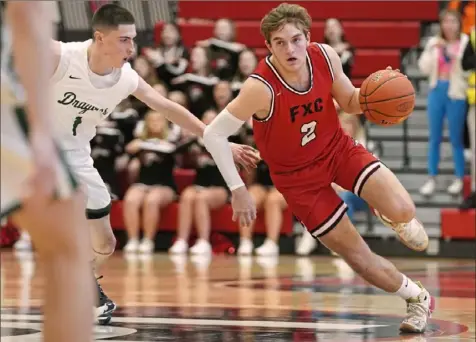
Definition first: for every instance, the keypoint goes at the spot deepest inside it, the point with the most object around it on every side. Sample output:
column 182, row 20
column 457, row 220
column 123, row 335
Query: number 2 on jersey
column 309, row 131
column 77, row 121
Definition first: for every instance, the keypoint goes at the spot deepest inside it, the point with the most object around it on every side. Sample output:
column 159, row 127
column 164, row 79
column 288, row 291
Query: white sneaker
column 180, row 246
column 455, row 187
column 24, row 243
column 412, row 234
column 201, row 247
column 428, row 188
column 131, row 246
column 268, row 248
column 147, row 246
column 306, row 245
column 419, row 309
column 246, row 247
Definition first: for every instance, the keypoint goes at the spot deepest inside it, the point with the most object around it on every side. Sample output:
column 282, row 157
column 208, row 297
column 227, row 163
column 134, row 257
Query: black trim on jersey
column 357, row 189
column 286, row 85
column 328, row 60
column 271, row 107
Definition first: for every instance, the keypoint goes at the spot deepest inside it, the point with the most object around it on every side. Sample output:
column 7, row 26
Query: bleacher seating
column 456, row 224
column 319, row 10
column 378, row 30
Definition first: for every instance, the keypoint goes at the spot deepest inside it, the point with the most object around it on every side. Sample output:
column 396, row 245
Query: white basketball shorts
column 16, row 162
column 99, row 198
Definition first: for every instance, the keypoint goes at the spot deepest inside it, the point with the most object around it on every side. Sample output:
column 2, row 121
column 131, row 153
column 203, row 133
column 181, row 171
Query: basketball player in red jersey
column 297, row 131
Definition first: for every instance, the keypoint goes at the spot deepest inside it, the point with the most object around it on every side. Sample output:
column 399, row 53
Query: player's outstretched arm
column 171, row 110
column 343, row 91
column 254, row 97
column 243, row 155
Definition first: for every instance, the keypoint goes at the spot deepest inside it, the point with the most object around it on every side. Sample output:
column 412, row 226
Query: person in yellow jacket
column 468, row 63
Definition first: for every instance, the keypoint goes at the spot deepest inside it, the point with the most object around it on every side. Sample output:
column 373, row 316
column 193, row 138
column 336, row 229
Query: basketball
column 387, row 97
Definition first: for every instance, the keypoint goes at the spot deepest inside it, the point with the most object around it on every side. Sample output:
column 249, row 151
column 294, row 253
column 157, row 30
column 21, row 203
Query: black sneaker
column 105, row 306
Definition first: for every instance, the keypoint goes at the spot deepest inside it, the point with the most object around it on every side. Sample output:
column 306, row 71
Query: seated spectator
column 198, row 83
column 247, row 62
column 441, row 62
column 170, row 58
column 224, row 49
column 155, row 187
column 222, row 95
column 208, row 192
column 106, row 147
column 270, row 200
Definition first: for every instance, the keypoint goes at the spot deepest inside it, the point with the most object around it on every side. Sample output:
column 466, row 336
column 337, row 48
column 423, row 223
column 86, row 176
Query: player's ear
column 98, row 36
column 268, row 45
column 308, row 37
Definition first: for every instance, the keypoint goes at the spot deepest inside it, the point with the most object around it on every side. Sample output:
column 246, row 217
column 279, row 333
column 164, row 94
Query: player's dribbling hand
column 245, row 156
column 244, row 207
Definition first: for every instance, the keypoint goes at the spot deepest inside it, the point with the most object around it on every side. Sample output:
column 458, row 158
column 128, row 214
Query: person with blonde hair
column 290, row 97
column 441, row 62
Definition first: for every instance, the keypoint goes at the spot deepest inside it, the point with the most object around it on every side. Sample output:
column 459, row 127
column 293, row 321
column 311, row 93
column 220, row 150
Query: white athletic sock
column 408, row 289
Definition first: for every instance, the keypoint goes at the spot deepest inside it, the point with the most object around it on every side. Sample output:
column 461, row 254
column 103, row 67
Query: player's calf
column 346, row 241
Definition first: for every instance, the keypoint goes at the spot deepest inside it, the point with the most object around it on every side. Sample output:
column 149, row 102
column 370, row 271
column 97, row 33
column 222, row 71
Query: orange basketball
column 387, row 97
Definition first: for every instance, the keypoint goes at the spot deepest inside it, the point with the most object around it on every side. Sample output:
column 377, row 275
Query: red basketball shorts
column 309, row 193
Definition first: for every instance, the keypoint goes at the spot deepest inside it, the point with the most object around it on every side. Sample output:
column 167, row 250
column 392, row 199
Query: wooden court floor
column 227, row 298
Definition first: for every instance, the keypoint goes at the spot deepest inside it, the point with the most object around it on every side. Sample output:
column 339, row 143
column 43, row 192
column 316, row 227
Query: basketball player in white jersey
column 90, row 80
column 32, row 173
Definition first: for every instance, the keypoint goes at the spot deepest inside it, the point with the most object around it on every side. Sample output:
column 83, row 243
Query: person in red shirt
column 296, row 129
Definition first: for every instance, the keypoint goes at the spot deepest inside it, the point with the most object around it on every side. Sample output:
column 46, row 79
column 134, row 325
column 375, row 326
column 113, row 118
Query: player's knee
column 106, row 247
column 405, row 212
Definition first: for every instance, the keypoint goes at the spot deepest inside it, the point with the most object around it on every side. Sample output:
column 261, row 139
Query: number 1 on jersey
column 309, row 131
column 76, row 123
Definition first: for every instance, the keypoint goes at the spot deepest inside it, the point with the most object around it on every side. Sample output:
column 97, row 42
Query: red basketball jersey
column 302, row 126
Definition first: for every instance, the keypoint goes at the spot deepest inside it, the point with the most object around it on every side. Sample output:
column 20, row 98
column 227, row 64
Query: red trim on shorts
column 330, row 222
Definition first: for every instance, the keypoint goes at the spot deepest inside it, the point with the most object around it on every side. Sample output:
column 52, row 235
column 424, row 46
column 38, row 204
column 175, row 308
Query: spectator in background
column 224, row 50
column 106, row 147
column 270, row 200
column 155, row 187
column 170, row 58
column 208, row 192
column 441, row 62
column 469, row 64
column 335, row 37
column 199, row 82
column 145, row 70
column 247, row 62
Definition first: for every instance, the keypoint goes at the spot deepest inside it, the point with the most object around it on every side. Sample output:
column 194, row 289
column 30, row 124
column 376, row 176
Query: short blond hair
column 283, row 14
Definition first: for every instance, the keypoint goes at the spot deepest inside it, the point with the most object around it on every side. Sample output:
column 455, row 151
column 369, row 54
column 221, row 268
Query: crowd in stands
column 145, row 148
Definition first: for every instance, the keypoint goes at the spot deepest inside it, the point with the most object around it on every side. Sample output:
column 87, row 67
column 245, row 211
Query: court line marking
column 217, row 322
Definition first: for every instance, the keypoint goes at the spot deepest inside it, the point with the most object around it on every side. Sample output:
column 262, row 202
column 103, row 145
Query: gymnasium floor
column 248, row 299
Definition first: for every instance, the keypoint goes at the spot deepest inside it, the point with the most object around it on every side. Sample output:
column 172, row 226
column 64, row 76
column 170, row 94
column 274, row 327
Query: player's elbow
column 211, row 137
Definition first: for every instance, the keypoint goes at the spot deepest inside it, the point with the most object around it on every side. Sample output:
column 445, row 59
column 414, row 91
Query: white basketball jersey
column 79, row 105
column 11, row 90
